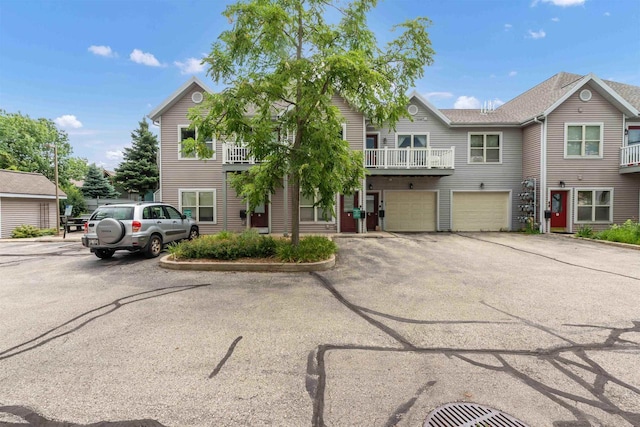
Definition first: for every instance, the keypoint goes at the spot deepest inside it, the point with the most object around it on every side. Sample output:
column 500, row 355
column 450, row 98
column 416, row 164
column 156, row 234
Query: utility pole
column 55, row 159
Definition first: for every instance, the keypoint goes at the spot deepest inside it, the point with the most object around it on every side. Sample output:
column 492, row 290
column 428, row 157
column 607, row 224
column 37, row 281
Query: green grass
column 229, row 246
column 629, row 232
column 24, row 231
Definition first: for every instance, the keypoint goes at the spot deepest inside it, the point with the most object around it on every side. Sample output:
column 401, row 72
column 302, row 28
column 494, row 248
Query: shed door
column 410, row 210
column 480, row 211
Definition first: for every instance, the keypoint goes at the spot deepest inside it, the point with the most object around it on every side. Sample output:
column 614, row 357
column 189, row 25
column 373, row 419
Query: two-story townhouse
column 441, row 169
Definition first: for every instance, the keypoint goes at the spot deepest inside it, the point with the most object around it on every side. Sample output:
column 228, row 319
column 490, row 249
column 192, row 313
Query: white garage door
column 480, row 211
column 410, row 210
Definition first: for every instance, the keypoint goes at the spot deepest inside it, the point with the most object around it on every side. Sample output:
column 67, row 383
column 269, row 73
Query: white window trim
column 344, row 131
column 203, row 190
column 500, row 148
column 566, row 136
column 592, row 189
column 412, row 134
column 317, row 213
column 213, row 145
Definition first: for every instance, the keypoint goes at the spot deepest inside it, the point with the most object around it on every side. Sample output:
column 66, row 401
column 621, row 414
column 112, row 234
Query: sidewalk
column 71, row 237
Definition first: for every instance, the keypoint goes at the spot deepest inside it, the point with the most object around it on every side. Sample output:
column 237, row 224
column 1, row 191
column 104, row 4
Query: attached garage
column 480, row 210
column 410, row 210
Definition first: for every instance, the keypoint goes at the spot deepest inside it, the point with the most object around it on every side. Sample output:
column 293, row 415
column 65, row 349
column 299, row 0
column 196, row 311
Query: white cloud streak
column 555, row 19
column 190, row 66
column 560, row 3
column 68, row 121
column 537, row 34
column 513, row 73
column 507, row 27
column 102, row 51
column 140, row 57
column 466, row 102
column 114, row 155
column 439, row 95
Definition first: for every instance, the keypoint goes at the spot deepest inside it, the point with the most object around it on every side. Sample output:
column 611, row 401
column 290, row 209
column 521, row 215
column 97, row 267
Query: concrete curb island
column 267, row 267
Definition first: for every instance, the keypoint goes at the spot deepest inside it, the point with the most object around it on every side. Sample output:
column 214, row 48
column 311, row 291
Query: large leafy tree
column 139, row 169
column 282, row 61
column 96, row 185
column 27, row 145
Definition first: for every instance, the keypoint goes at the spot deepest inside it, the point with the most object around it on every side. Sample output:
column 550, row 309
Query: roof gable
column 175, row 97
column 432, row 108
column 27, row 183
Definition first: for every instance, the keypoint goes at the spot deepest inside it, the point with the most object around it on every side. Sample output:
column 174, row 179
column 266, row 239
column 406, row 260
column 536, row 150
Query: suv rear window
column 115, row 212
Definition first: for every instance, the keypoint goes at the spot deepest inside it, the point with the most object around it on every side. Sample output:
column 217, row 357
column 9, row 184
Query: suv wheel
column 194, row 233
column 104, row 253
column 154, row 247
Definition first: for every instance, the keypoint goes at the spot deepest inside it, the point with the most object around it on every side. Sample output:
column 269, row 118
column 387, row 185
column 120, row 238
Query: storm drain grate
column 469, row 415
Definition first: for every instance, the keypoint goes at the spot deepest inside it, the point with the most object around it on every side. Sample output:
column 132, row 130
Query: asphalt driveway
column 544, row 328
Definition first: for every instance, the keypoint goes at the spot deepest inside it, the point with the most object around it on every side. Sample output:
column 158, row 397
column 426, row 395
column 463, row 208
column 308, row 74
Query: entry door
column 347, row 223
column 260, row 217
column 559, row 209
column 372, row 211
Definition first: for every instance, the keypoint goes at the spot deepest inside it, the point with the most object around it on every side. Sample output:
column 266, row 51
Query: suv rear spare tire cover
column 110, row 230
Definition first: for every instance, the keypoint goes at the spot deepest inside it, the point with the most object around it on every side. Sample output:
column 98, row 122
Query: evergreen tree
column 139, row 169
column 96, row 185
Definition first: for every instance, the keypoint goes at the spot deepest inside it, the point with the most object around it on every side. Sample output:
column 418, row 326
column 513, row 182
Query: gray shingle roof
column 27, row 183
column 535, row 101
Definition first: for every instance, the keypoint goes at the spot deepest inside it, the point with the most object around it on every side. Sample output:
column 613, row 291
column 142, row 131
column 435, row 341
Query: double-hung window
column 185, row 133
column 485, row 147
column 583, row 140
column 594, row 205
column 199, row 204
column 309, row 212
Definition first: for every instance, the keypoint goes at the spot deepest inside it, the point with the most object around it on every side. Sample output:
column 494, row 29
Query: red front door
column 559, row 209
column 260, row 217
column 372, row 211
column 347, row 223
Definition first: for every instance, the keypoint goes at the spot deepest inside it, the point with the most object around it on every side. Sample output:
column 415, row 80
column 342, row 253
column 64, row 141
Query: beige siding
column 591, row 173
column 480, row 211
column 16, row 211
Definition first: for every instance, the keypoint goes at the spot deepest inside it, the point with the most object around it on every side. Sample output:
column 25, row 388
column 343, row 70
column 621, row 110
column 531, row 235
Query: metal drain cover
column 469, row 415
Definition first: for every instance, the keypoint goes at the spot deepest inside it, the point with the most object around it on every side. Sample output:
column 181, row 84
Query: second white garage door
column 480, row 211
column 410, row 210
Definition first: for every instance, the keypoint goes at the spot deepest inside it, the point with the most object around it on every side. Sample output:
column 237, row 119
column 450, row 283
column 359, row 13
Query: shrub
column 24, row 231
column 585, row 231
column 249, row 244
column 629, row 232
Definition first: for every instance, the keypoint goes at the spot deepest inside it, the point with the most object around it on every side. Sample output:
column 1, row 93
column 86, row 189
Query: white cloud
column 561, row 3
column 513, row 73
column 190, row 66
column 537, row 34
column 441, row 95
column 102, row 51
column 466, row 102
column 607, row 14
column 555, row 19
column 68, row 121
column 492, row 76
column 507, row 27
column 497, row 102
column 140, row 57
column 114, row 155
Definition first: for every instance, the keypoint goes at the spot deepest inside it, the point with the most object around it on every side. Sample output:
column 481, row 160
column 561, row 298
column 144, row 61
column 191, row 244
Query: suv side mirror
column 183, row 216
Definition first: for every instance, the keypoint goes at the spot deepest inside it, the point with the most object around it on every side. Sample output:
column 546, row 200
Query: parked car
column 141, row 226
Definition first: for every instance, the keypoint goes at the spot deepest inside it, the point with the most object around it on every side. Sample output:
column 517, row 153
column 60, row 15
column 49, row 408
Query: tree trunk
column 295, row 208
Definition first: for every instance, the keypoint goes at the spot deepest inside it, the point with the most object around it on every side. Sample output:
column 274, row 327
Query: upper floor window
column 185, row 133
column 413, row 140
column 583, row 140
column 485, row 147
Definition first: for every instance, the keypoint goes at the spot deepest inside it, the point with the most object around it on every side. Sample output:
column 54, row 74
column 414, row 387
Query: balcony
column 236, row 157
column 410, row 161
column 630, row 159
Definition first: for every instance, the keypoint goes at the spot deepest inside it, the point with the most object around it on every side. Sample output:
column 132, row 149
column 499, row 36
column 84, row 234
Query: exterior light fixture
column 411, row 186
column 626, row 132
column 481, row 185
column 562, row 184
column 370, row 186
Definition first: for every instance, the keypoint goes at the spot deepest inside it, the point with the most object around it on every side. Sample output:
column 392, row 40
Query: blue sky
column 97, row 67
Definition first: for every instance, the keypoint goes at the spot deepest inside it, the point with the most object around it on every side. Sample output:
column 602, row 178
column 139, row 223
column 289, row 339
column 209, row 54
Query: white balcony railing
column 630, row 155
column 236, row 154
column 410, row 158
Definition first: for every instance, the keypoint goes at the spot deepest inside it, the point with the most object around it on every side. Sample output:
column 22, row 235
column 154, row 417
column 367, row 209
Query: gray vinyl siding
column 506, row 176
column 16, row 211
column 531, row 141
column 592, row 173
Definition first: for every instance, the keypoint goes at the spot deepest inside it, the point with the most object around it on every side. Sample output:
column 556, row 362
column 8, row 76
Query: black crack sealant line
column 556, row 357
column 34, row 419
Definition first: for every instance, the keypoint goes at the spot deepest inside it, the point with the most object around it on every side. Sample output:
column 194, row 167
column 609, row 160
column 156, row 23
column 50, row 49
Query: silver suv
column 143, row 226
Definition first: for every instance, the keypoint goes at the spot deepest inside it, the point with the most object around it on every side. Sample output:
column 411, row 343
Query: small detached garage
column 480, row 210
column 26, row 198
